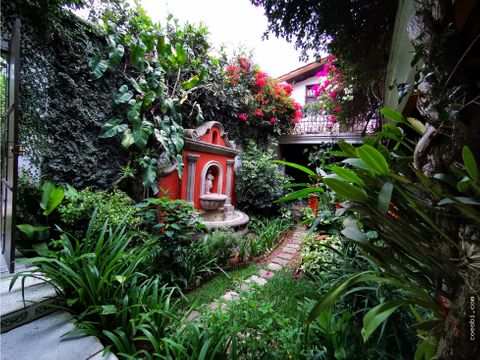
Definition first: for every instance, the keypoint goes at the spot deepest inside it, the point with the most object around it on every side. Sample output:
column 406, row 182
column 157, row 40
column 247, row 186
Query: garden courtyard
column 163, row 198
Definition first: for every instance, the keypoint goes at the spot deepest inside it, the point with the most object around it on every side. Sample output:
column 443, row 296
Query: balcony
column 316, row 129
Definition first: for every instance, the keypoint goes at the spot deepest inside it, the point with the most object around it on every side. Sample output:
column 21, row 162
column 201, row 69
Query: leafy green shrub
column 38, row 209
column 28, row 196
column 223, row 244
column 173, row 227
column 99, row 280
column 115, row 207
column 320, row 255
column 267, row 233
column 92, row 280
column 259, row 182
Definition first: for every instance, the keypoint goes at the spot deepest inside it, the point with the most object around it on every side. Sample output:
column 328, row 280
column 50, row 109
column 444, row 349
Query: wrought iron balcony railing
column 319, row 124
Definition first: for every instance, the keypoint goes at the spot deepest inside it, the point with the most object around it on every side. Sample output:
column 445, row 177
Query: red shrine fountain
column 208, row 180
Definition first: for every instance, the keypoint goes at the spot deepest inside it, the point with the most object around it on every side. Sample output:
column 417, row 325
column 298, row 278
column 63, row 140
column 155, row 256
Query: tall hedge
column 61, row 108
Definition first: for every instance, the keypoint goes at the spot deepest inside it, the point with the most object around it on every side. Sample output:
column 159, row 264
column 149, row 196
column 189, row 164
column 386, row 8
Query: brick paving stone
column 215, row 305
column 231, row 295
column 266, row 274
column 193, row 315
column 280, row 261
column 289, row 250
column 274, row 267
column 292, row 246
column 245, row 287
column 286, row 255
column 257, row 280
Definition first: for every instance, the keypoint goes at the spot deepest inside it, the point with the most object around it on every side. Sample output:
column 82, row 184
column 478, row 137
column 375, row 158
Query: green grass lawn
column 219, row 285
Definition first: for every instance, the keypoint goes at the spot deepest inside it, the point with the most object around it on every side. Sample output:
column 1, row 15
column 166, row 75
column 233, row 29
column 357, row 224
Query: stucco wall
column 299, row 89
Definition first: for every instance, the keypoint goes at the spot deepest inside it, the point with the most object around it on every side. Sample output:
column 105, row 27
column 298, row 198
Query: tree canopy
column 357, row 32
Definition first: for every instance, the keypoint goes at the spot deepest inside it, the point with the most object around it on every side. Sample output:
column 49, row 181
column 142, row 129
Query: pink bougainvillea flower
column 332, row 95
column 336, row 109
column 272, row 120
column 259, row 112
column 322, row 73
column 243, row 117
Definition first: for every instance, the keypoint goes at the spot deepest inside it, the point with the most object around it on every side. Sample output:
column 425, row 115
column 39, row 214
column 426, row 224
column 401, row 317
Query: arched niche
column 216, row 169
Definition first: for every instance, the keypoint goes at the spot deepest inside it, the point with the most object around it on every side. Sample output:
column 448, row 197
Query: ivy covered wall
column 61, row 108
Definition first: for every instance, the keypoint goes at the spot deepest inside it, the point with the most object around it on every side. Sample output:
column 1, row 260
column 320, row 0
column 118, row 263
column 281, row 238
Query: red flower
column 272, row 120
column 392, row 214
column 243, row 117
column 259, row 112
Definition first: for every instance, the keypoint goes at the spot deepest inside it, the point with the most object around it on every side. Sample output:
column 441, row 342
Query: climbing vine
column 160, row 72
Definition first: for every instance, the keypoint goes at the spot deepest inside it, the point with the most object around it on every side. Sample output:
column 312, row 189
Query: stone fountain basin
column 212, row 201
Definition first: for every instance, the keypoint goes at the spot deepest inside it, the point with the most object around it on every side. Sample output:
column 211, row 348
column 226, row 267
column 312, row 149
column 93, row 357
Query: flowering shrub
column 331, row 91
column 271, row 103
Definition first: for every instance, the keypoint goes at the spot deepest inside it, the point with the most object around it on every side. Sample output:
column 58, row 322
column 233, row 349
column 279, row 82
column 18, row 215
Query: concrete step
column 45, row 339
column 17, row 308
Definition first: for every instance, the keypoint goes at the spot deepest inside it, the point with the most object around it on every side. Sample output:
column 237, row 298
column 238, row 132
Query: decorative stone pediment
column 211, row 132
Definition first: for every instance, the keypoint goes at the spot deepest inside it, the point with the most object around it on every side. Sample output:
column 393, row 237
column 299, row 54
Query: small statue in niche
column 209, row 182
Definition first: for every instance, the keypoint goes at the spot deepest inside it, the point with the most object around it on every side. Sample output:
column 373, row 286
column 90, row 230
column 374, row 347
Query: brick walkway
column 284, row 255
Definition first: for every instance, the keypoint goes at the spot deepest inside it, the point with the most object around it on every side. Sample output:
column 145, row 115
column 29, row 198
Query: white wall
column 299, row 89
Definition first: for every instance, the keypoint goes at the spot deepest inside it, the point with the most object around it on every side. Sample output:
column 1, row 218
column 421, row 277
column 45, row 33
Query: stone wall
column 61, row 107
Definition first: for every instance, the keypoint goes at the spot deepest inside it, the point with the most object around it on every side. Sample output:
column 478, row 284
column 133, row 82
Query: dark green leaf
column 127, row 139
column 395, row 130
column 377, row 315
column 445, row 178
column 354, row 233
column 392, row 114
column 300, row 194
column 47, row 188
column 470, row 163
column 134, row 111
column 181, row 54
column 149, row 98
column 296, row 166
column 115, row 56
column 30, row 230
column 138, row 53
column 141, row 132
column 348, row 175
column 113, row 127
column 346, row 190
column 463, row 184
column 98, row 66
column 348, row 149
column 190, row 83
column 373, row 158
column 425, row 350
column 149, row 176
column 108, row 309
column 418, row 126
column 358, row 163
column 460, row 199
column 123, row 95
column 54, row 199
column 385, row 197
